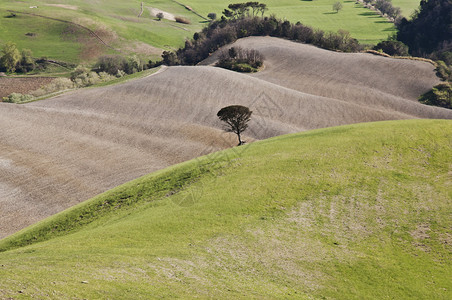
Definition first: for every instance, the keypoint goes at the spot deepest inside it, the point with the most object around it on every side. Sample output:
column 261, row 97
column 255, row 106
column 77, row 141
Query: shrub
column 212, row 16
column 59, row 84
column 17, row 98
column 182, row 20
column 160, row 16
column 26, row 63
column 169, row 58
column 79, row 70
column 87, row 79
column 238, row 59
column 111, row 64
column 440, row 95
column 443, row 71
column 392, row 48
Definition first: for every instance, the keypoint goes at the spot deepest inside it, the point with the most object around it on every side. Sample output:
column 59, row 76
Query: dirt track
column 59, row 152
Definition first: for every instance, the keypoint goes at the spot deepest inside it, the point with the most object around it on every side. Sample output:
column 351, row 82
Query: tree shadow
column 368, row 13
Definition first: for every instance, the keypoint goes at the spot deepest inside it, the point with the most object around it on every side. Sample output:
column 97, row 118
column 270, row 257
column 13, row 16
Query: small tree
column 160, row 16
column 212, row 16
column 440, row 95
column 236, row 118
column 11, row 56
column 337, row 6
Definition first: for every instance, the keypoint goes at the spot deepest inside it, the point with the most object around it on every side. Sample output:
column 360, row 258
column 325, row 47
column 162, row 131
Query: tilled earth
column 59, row 152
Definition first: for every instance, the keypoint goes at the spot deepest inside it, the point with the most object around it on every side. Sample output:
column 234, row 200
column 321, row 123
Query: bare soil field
column 61, row 151
column 10, row 85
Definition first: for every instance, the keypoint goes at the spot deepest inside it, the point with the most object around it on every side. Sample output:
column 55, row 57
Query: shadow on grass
column 368, row 13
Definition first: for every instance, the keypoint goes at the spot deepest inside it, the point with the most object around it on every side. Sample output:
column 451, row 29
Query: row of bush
column 386, row 8
column 81, row 77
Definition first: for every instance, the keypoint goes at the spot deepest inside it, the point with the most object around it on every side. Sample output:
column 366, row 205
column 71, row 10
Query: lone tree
column 236, row 118
column 11, row 56
column 337, row 6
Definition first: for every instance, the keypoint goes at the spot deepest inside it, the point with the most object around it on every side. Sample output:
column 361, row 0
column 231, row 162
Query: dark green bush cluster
column 240, row 60
column 429, row 30
column 440, row 95
column 392, row 47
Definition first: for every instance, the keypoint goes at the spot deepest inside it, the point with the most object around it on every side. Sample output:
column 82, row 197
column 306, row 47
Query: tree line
column 238, row 22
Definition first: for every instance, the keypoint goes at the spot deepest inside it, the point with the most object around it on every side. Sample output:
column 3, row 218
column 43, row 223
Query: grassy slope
column 407, row 6
column 117, row 23
column 350, row 212
column 362, row 23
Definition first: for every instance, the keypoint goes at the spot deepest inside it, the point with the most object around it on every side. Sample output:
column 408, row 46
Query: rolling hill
column 61, row 151
column 351, row 212
column 80, row 31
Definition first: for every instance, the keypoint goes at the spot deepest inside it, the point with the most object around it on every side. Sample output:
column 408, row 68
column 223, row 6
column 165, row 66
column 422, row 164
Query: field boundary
column 190, row 9
column 402, row 57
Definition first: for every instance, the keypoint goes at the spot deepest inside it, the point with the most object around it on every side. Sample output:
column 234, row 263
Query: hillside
column 81, row 30
column 351, row 212
column 61, row 151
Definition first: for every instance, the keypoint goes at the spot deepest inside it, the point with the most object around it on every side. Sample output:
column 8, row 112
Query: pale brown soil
column 166, row 15
column 21, row 85
column 72, row 7
column 61, row 151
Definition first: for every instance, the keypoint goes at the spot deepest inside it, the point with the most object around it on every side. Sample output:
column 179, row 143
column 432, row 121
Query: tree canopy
column 430, row 29
column 11, row 56
column 236, row 118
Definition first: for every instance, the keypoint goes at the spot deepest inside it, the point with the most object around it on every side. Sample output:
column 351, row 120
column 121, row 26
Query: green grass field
column 407, row 6
column 351, row 212
column 117, row 23
column 362, row 23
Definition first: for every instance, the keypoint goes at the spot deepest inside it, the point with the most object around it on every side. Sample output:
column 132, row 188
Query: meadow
column 407, row 6
column 357, row 211
column 362, row 23
column 118, row 25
